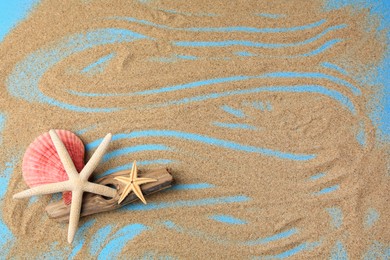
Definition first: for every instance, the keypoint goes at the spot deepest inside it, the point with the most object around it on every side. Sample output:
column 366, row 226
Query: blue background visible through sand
column 13, row 12
column 380, row 75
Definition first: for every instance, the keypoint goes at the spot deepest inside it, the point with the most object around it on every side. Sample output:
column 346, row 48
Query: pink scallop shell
column 42, row 165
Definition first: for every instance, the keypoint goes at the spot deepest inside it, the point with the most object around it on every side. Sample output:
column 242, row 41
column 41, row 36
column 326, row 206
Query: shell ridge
column 42, row 164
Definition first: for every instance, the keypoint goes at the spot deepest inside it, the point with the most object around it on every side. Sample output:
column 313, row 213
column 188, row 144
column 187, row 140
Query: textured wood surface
column 93, row 203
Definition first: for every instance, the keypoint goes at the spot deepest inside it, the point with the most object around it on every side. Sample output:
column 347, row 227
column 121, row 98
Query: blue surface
column 108, row 241
column 140, row 163
column 98, row 239
column 336, row 214
column 328, row 190
column 315, row 89
column 226, row 241
column 380, row 74
column 227, row 219
column 234, row 125
column 317, row 176
column 223, row 29
column 339, row 252
column 186, row 203
column 243, row 43
column 371, row 217
column 2, row 125
column 275, row 237
column 24, row 79
column 234, row 111
column 214, row 81
column 272, row 16
column 206, row 140
column 99, row 65
column 377, row 250
column 192, row 186
column 334, row 67
column 79, row 240
column 12, row 12
column 113, row 248
column 134, row 149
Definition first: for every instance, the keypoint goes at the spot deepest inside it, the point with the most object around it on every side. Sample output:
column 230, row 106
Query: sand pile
column 268, row 138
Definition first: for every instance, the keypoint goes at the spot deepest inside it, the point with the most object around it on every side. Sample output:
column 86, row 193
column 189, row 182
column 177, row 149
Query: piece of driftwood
column 93, row 203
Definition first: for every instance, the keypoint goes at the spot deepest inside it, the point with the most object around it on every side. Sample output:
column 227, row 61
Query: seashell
column 42, row 165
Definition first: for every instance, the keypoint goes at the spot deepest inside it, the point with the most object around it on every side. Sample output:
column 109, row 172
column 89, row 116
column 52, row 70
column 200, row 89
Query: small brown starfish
column 133, row 184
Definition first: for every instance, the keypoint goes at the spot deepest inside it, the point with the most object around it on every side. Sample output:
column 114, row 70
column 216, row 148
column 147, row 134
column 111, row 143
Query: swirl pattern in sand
column 258, row 108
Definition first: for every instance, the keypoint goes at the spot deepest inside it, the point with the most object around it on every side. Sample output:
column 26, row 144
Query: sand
column 267, row 133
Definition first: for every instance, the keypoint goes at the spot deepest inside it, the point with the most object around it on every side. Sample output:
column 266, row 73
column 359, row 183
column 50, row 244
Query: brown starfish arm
column 140, row 181
column 74, row 217
column 96, row 157
column 100, row 189
column 63, row 154
column 44, row 189
column 138, row 192
column 125, row 192
column 124, row 180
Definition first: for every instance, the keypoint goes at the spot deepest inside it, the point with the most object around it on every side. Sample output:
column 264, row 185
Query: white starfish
column 77, row 183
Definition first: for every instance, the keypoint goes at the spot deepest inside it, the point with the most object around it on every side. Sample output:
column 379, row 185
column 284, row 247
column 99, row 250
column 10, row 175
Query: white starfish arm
column 64, row 155
column 100, row 189
column 96, row 157
column 44, row 189
column 74, row 217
